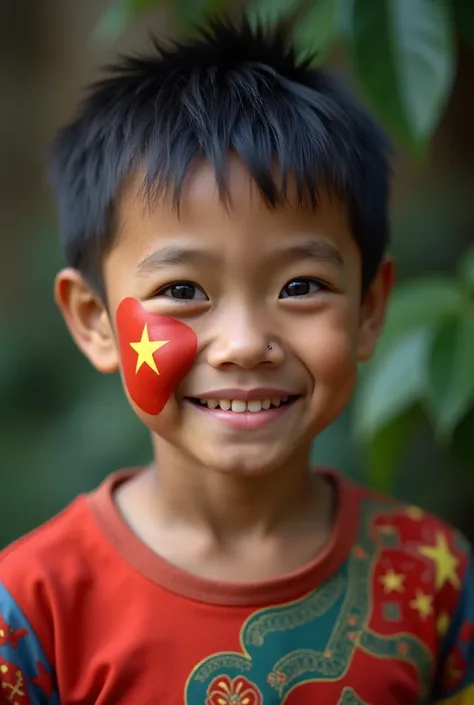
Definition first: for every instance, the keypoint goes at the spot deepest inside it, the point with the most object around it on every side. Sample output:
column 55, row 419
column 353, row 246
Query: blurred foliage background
column 410, row 428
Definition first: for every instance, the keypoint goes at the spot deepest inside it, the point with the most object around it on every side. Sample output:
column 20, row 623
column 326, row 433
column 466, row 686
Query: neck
column 230, row 506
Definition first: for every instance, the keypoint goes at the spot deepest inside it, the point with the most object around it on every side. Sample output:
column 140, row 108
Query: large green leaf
column 462, row 445
column 392, row 384
column 422, row 303
column 384, row 450
column 117, row 16
column 451, row 372
column 195, row 11
column 466, row 270
column 319, row 28
column 267, row 12
column 404, row 57
column 464, row 17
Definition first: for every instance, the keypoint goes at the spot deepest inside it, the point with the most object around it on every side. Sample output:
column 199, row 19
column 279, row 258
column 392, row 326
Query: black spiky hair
column 233, row 88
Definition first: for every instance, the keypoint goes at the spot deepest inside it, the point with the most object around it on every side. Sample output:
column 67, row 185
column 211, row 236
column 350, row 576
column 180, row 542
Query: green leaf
column 267, row 12
column 451, row 373
column 422, row 303
column 404, row 57
column 383, row 451
column 461, row 444
column 117, row 16
column 466, row 271
column 464, row 17
column 392, row 384
column 193, row 11
column 319, row 28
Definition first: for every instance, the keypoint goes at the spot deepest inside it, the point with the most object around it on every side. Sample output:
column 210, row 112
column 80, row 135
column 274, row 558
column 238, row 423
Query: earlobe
column 374, row 308
column 87, row 320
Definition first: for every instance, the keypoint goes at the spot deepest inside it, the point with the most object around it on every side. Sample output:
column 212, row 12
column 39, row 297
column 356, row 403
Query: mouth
column 240, row 406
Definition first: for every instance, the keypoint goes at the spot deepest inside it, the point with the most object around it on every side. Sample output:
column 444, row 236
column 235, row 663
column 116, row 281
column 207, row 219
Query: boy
column 224, row 217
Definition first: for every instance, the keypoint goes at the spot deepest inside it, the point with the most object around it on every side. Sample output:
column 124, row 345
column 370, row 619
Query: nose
column 243, row 339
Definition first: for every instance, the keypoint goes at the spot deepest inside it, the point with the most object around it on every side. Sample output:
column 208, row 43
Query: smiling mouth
column 240, row 406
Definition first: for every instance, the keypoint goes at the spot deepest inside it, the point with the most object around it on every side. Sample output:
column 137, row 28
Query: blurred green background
column 410, row 429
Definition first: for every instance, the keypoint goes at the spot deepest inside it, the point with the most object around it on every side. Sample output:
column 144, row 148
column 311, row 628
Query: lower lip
column 246, row 420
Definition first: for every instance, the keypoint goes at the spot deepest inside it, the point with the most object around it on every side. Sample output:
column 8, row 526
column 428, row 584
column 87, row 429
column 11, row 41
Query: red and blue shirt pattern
column 26, row 676
column 89, row 616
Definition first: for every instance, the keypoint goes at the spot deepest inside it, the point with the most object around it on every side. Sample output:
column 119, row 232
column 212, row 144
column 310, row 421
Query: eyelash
column 174, row 285
column 321, row 286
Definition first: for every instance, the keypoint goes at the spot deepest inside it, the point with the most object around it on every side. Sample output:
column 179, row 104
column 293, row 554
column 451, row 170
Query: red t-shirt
column 384, row 615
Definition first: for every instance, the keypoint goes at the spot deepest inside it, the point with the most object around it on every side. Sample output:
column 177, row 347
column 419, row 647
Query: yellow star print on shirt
column 392, row 582
column 145, row 349
column 465, row 697
column 414, row 513
column 423, row 604
column 445, row 562
column 442, row 623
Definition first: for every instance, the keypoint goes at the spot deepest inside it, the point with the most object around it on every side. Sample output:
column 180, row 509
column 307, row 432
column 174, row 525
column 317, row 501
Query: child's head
column 224, row 184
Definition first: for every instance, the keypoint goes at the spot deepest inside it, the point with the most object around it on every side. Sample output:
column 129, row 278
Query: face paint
column 156, row 351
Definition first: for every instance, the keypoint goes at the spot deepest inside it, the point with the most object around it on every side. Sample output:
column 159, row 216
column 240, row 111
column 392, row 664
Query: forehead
column 233, row 223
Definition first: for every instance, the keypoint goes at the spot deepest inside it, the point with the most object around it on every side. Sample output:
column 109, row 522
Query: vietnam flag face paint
column 157, row 352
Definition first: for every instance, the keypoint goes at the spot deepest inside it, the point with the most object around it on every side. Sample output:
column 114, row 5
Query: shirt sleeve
column 26, row 677
column 455, row 679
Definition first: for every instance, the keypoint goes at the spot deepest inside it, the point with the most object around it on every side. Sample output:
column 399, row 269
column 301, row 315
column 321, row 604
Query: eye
column 301, row 287
column 183, row 291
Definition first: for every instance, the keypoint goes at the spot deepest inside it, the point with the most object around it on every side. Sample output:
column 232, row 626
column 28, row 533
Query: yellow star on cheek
column 422, row 604
column 445, row 562
column 145, row 349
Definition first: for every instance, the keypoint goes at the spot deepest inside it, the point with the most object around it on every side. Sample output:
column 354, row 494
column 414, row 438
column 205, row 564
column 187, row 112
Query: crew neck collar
column 284, row 587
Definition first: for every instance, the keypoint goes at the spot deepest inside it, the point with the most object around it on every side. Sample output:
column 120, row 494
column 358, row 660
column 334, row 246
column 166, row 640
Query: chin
column 240, row 462
column 243, row 469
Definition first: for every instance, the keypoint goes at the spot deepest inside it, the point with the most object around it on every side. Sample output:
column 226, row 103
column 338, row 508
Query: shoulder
column 35, row 572
column 432, row 559
column 41, row 547
column 408, row 526
column 384, row 525
column 422, row 571
column 38, row 568
column 65, row 545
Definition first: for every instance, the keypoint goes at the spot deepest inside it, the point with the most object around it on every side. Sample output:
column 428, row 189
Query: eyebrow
column 318, row 250
column 172, row 256
column 175, row 256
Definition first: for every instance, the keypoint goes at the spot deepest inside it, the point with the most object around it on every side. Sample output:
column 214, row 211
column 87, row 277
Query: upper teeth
column 239, row 405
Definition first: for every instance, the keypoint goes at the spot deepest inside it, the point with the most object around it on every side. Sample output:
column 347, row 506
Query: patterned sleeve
column 26, row 677
column 455, row 682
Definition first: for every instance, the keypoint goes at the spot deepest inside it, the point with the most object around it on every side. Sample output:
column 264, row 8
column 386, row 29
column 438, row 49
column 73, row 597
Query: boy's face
column 274, row 298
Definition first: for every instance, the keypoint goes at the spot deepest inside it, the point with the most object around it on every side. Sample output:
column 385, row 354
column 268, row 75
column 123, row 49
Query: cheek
column 329, row 350
column 168, row 424
column 156, row 354
column 160, row 424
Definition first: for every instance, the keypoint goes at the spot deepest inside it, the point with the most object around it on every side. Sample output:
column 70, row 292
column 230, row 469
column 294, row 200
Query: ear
column 373, row 309
column 87, row 319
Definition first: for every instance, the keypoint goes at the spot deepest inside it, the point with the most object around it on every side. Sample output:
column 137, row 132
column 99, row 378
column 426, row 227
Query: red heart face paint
column 157, row 352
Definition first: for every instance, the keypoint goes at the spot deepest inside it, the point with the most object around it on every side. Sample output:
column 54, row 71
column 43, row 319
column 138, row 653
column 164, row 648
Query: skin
column 216, row 500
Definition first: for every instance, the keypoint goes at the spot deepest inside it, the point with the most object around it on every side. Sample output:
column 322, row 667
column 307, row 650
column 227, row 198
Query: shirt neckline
column 278, row 589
